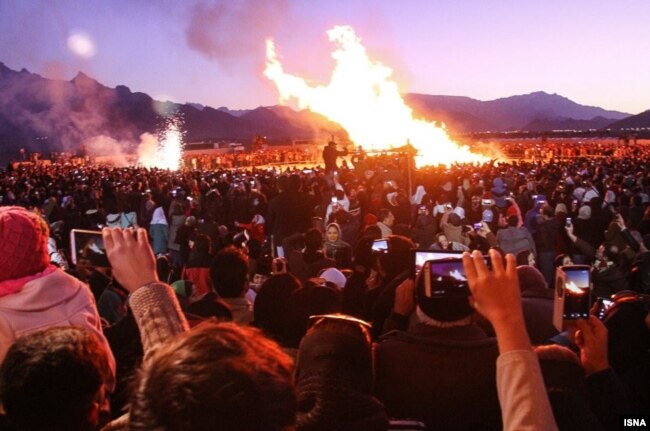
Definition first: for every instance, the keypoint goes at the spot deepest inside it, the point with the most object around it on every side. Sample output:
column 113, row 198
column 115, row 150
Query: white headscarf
column 159, row 216
column 416, row 199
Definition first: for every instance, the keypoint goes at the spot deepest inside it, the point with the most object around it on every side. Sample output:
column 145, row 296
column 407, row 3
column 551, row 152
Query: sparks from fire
column 165, row 152
column 363, row 99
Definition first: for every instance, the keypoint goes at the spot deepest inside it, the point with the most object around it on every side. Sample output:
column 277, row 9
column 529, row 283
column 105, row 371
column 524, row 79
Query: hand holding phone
column 405, row 298
column 131, row 257
column 279, row 265
column 591, row 338
column 502, row 306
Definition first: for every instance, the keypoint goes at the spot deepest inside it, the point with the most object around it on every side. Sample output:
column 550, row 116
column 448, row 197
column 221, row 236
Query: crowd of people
column 264, row 300
column 247, row 159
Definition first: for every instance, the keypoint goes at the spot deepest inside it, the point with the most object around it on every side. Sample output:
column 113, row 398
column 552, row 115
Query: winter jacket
column 56, row 299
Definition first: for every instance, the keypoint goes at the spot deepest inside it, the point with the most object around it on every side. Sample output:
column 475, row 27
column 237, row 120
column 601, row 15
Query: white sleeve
column 522, row 394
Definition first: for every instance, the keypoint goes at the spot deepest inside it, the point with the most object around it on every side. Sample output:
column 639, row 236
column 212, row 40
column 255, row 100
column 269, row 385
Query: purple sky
column 212, row 52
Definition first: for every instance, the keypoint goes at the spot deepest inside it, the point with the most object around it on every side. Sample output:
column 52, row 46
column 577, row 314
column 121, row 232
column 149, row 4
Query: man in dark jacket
column 546, row 243
column 330, row 154
column 440, row 367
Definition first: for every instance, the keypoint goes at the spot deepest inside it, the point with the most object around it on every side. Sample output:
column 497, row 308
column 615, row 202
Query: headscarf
column 416, row 199
column 159, row 216
column 339, row 243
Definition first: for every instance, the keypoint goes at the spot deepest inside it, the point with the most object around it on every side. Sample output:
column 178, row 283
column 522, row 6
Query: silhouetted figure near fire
column 330, row 154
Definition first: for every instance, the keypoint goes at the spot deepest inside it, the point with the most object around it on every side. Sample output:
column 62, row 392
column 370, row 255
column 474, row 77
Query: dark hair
column 202, row 243
column 398, row 257
column 522, row 257
column 372, row 231
column 50, row 379
column 229, row 271
column 313, row 244
column 304, row 302
column 513, row 220
column 547, row 210
column 271, row 304
column 383, row 214
column 454, row 219
column 219, row 376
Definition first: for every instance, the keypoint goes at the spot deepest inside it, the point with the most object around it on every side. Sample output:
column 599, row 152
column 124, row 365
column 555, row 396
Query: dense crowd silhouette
column 262, row 298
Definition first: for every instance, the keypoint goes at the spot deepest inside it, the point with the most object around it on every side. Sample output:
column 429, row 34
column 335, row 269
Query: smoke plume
column 233, row 32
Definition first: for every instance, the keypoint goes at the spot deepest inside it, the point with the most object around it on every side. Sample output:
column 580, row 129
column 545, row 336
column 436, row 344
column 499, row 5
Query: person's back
column 444, row 377
column 442, row 370
column 515, row 239
column 288, row 213
column 33, row 293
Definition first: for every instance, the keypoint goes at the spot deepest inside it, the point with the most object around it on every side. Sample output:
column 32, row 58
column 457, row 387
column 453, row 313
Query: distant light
column 81, row 44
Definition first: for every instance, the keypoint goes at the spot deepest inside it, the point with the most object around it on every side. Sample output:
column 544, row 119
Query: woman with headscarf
column 159, row 232
column 34, row 294
column 335, row 247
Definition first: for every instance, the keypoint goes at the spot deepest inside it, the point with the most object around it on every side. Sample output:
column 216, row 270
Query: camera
column 486, row 202
column 445, row 278
column 603, row 305
column 88, row 245
column 572, row 294
column 419, row 257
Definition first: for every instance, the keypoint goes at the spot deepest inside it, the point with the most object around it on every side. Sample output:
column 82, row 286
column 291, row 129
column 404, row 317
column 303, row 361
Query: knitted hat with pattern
column 23, row 243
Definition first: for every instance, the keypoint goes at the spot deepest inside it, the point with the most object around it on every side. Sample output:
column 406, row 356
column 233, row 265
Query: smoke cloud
column 233, row 32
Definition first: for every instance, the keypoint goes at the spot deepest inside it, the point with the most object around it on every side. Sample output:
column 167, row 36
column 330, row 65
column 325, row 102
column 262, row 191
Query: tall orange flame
column 362, row 97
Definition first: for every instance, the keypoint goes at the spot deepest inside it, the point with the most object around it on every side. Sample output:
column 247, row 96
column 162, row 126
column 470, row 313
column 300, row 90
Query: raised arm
column 154, row 304
column 495, row 294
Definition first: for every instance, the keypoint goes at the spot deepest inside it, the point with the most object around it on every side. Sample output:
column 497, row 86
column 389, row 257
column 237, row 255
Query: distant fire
column 362, row 97
column 165, row 152
column 575, row 290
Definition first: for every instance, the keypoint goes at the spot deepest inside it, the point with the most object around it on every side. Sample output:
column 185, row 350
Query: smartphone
column 604, row 304
column 279, row 251
column 88, row 245
column 419, row 257
column 486, row 202
column 477, row 226
column 445, row 278
column 572, row 294
column 380, row 245
column 567, row 222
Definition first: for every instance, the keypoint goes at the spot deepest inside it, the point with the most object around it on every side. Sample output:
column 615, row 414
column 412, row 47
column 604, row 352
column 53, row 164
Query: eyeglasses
column 317, row 318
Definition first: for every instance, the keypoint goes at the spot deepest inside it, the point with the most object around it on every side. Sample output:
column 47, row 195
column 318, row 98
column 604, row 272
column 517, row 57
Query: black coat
column 288, row 213
column 443, row 377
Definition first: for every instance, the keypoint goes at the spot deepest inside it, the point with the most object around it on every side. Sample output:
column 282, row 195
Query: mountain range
column 41, row 114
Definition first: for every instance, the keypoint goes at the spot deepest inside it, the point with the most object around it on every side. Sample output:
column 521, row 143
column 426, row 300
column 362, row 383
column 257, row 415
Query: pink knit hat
column 23, row 243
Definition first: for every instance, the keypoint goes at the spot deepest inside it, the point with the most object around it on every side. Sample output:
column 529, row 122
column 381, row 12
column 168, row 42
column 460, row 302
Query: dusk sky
column 212, row 52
